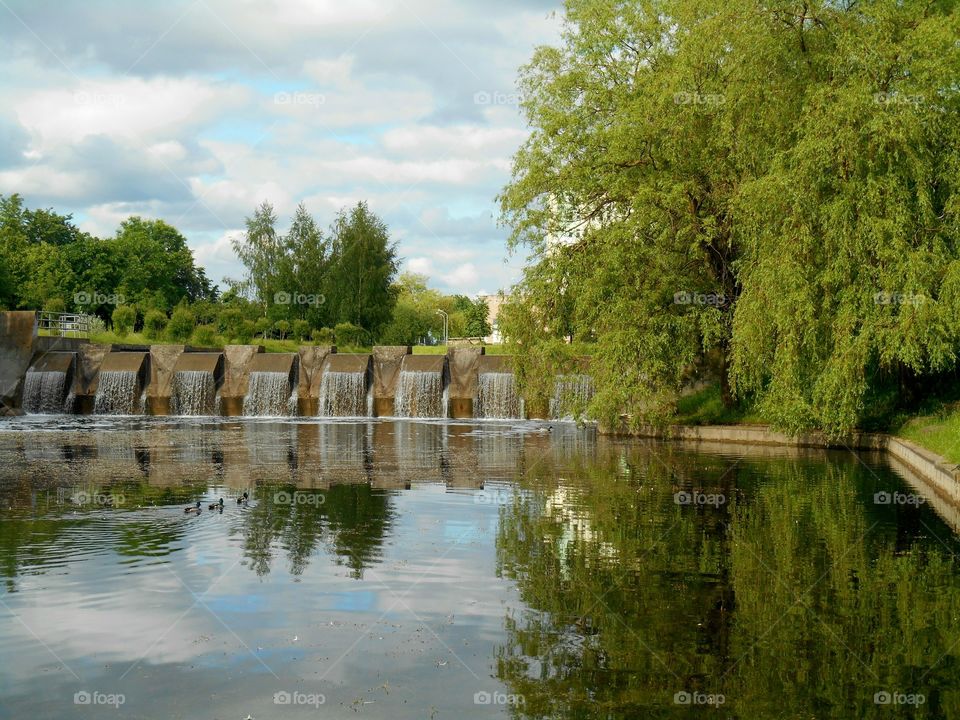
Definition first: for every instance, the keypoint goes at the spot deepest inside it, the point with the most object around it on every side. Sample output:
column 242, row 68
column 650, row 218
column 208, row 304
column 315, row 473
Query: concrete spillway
column 272, row 387
column 497, row 396
column 344, row 387
column 120, row 384
column 194, row 387
column 421, row 390
column 571, row 394
column 47, row 384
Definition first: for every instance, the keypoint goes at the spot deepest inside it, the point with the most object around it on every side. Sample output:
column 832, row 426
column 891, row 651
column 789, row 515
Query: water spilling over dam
column 571, row 394
column 194, row 393
column 269, row 395
column 497, row 396
column 118, row 393
column 47, row 384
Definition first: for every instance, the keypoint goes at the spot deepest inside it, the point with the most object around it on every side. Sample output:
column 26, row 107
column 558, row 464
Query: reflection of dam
column 243, row 454
column 53, row 375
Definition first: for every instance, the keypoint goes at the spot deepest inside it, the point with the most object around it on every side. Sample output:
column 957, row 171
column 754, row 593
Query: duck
column 217, row 505
column 240, row 500
column 194, row 509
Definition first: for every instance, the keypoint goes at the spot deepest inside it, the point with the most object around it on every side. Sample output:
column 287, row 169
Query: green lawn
column 705, row 407
column 939, row 432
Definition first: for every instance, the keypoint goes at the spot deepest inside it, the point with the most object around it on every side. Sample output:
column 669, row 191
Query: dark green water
column 416, row 570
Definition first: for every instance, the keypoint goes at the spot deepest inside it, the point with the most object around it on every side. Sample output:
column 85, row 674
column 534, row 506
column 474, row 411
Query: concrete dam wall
column 45, row 375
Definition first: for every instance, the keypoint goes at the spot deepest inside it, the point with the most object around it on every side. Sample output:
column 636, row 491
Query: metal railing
column 76, row 325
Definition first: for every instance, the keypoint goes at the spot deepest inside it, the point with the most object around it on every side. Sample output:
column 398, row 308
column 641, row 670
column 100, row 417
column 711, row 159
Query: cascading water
column 118, row 393
column 194, row 392
column 343, row 394
column 43, row 392
column 420, row 394
column 269, row 395
column 571, row 393
column 497, row 396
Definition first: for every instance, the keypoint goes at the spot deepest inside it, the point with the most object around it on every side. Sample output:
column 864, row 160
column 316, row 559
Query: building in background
column 493, row 304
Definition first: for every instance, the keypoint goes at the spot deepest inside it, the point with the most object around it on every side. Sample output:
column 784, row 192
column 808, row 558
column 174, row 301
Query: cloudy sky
column 196, row 111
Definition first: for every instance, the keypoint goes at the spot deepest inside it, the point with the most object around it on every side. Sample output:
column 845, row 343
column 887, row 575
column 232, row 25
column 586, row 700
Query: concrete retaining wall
column 464, row 363
column 386, row 371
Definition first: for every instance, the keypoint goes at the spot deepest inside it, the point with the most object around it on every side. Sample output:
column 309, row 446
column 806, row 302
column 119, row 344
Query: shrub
column 322, row 336
column 348, row 334
column 230, row 321
column 301, row 330
column 204, row 336
column 181, row 325
column 282, row 327
column 262, row 327
column 123, row 319
column 56, row 305
column 153, row 324
column 244, row 333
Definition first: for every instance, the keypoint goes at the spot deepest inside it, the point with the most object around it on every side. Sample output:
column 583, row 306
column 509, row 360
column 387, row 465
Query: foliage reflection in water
column 405, row 569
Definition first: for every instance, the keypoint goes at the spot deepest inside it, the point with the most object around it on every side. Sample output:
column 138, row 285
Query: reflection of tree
column 351, row 520
column 789, row 600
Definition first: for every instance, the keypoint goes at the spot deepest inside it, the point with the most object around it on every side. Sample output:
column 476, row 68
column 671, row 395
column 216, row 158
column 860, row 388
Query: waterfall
column 571, row 393
column 343, row 394
column 497, row 396
column 420, row 394
column 118, row 393
column 268, row 395
column 43, row 392
column 194, row 393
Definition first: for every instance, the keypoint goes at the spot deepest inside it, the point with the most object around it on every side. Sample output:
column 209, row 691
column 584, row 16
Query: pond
column 442, row 569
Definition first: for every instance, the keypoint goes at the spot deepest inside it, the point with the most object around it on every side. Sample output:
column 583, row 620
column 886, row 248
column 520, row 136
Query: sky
column 194, row 112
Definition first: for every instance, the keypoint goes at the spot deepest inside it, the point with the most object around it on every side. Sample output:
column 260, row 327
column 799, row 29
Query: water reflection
column 401, row 568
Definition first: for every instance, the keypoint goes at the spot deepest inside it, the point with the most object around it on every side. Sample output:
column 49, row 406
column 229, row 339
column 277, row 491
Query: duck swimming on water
column 240, row 500
column 217, row 505
column 194, row 509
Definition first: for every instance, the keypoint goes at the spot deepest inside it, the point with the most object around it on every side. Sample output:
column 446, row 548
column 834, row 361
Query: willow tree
column 753, row 187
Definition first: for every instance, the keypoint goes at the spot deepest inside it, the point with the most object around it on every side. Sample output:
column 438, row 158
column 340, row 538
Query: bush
column 123, row 319
column 244, row 333
column 282, row 327
column 348, row 334
column 262, row 327
column 230, row 321
column 301, row 330
column 56, row 305
column 204, row 336
column 181, row 325
column 153, row 324
column 322, row 336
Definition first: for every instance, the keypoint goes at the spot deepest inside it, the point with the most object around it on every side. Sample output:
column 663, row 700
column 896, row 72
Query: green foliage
column 349, row 335
column 732, row 180
column 301, row 330
column 154, row 323
column 262, row 326
column 181, row 324
column 204, row 336
column 363, row 263
column 323, row 336
column 123, row 318
column 245, row 332
column 477, row 319
column 282, row 327
column 56, row 305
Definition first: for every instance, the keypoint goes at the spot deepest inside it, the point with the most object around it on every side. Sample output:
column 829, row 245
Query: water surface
column 418, row 569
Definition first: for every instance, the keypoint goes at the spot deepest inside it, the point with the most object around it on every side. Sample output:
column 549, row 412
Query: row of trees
column 340, row 286
column 770, row 189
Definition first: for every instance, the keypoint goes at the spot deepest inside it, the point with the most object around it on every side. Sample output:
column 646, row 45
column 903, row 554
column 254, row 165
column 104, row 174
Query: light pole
column 445, row 319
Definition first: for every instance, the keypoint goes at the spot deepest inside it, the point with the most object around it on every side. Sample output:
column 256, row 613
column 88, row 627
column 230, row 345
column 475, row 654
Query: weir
column 272, row 388
column 421, row 390
column 195, row 380
column 344, row 387
column 497, row 396
column 119, row 384
column 571, row 393
column 46, row 386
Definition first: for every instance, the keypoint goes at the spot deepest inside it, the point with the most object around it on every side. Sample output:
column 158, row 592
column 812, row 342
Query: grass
column 442, row 349
column 939, row 432
column 705, row 407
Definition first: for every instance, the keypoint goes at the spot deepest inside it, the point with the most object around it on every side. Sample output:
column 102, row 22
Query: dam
column 51, row 375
